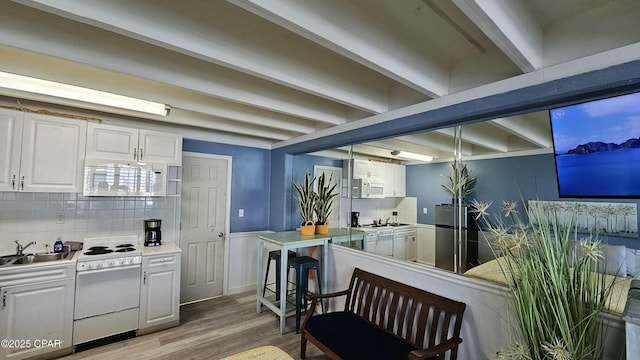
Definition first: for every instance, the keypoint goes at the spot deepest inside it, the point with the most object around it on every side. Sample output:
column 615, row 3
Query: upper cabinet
column 399, row 180
column 363, row 169
column 130, row 144
column 11, row 131
column 41, row 153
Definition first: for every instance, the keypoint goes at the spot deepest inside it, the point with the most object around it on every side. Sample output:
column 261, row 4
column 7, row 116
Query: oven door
column 106, row 290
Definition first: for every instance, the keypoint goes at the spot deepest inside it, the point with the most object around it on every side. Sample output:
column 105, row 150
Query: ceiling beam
column 40, row 33
column 213, row 32
column 345, row 30
column 527, row 130
column 478, row 138
column 511, row 27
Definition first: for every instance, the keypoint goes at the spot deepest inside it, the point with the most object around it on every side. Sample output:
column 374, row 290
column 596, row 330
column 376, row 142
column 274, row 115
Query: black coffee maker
column 152, row 233
column 355, row 219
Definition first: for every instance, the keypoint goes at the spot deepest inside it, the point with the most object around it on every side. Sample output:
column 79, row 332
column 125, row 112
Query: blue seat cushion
column 353, row 338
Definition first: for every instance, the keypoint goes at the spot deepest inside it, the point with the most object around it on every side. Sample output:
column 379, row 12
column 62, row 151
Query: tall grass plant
column 558, row 289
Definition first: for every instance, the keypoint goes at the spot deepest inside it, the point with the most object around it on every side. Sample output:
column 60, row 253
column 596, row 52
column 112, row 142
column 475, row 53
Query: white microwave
column 368, row 189
column 117, row 178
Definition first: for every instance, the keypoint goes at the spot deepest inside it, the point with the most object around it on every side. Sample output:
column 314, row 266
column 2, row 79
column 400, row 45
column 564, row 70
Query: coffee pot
column 355, row 219
column 152, row 233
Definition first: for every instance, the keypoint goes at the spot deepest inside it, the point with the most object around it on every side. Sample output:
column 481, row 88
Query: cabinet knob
column 13, row 182
column 141, row 153
column 22, row 183
column 135, row 153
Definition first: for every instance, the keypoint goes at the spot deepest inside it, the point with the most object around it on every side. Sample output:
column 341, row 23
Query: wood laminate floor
column 211, row 329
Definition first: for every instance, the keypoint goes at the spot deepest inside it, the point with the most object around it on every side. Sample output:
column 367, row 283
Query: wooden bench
column 384, row 319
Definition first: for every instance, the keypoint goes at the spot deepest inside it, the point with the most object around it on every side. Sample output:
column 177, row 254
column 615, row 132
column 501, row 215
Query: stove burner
column 98, row 248
column 98, row 251
column 126, row 249
column 125, row 246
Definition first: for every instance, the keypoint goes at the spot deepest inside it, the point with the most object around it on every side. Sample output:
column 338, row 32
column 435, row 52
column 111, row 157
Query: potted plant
column 306, row 201
column 324, row 202
column 557, row 286
column 460, row 182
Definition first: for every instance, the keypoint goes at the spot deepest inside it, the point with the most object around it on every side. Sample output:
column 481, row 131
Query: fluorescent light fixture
column 51, row 88
column 411, row 156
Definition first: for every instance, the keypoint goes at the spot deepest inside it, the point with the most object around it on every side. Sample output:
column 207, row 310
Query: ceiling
column 263, row 72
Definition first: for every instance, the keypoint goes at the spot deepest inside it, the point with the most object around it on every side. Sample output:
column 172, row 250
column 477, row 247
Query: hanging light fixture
column 72, row 92
column 411, row 156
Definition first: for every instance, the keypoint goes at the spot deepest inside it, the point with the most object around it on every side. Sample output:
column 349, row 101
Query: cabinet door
column 160, row 291
column 53, row 152
column 112, row 142
column 360, row 169
column 35, row 312
column 163, row 147
column 399, row 181
column 411, row 246
column 10, row 145
column 389, row 178
column 377, row 170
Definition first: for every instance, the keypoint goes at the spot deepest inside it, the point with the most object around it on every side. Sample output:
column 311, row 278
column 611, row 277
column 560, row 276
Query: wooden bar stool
column 303, row 264
column 275, row 255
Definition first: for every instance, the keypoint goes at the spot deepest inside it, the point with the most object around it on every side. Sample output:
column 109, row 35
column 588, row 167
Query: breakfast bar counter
column 291, row 240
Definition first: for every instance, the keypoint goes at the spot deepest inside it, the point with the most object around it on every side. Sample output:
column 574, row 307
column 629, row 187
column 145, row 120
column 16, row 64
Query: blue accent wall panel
column 250, row 186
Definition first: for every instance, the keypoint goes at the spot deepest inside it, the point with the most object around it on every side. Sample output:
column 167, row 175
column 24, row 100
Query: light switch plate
column 240, row 212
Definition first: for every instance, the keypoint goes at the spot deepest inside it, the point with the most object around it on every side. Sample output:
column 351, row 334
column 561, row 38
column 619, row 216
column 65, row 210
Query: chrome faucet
column 20, row 248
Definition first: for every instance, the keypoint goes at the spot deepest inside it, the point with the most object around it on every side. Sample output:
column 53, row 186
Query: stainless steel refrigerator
column 447, row 253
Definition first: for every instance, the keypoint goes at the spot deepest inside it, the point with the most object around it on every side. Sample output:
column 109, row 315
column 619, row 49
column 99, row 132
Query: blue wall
column 301, row 164
column 251, row 171
column 518, row 179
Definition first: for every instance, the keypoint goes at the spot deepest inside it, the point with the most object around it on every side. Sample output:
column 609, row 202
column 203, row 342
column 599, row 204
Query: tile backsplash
column 43, row 217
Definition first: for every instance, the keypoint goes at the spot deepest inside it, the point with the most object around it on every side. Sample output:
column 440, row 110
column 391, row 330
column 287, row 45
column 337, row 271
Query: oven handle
column 109, row 269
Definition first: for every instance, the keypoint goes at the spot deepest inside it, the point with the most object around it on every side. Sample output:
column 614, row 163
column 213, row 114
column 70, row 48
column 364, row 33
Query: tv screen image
column 597, row 148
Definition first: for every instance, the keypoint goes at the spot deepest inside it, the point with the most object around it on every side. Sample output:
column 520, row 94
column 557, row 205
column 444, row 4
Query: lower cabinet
column 160, row 292
column 36, row 318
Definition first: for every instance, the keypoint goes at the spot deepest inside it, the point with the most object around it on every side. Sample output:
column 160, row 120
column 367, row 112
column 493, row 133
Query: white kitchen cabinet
column 394, row 180
column 160, row 292
column 426, row 249
column 360, row 169
column 37, row 311
column 405, row 243
column 130, row 144
column 399, row 174
column 50, row 151
column 11, row 132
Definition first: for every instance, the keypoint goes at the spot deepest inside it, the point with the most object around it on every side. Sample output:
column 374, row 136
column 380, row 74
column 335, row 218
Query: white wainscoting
column 243, row 258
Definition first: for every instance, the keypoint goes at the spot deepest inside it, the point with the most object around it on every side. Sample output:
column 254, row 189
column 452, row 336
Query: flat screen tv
column 597, row 148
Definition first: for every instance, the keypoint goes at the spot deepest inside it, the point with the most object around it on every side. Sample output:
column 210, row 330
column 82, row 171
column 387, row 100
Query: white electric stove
column 109, row 252
column 107, row 297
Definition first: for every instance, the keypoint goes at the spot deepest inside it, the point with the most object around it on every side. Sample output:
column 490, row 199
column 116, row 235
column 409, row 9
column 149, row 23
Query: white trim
column 227, row 225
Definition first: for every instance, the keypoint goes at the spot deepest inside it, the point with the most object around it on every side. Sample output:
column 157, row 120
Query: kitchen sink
column 388, row 225
column 34, row 258
column 7, row 259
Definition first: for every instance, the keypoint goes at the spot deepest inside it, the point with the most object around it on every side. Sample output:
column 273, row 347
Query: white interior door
column 203, row 225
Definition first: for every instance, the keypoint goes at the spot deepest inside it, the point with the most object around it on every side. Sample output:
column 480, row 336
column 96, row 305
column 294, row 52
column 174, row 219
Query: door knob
column 220, row 234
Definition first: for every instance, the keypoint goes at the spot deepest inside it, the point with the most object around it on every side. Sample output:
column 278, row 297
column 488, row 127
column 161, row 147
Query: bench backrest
column 420, row 318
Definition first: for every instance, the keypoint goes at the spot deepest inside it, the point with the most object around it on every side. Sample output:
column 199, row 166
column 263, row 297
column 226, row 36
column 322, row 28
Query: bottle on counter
column 57, row 246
